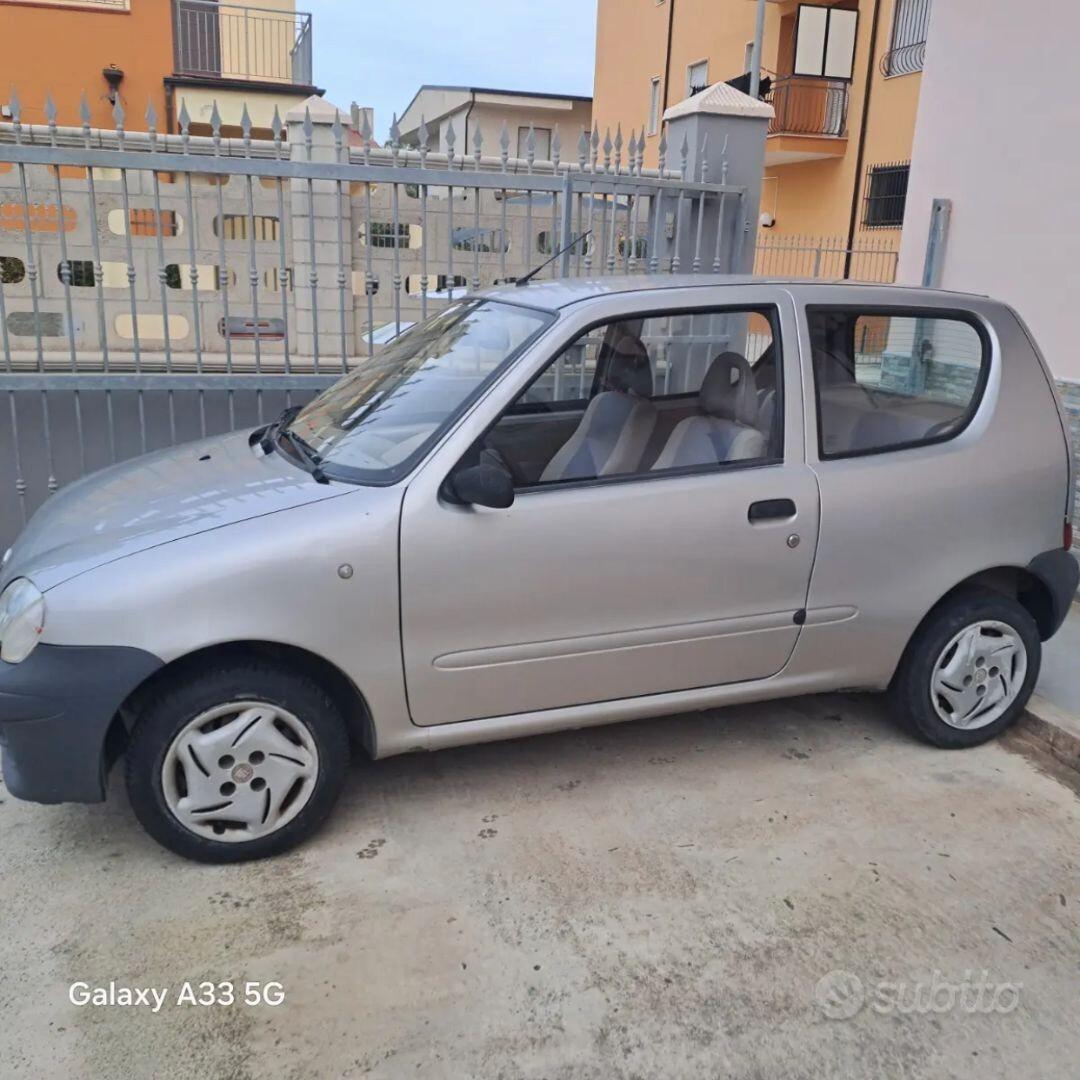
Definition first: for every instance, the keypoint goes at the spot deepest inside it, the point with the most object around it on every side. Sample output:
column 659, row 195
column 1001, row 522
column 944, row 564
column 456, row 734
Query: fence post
column 314, row 211
column 720, row 125
column 566, row 234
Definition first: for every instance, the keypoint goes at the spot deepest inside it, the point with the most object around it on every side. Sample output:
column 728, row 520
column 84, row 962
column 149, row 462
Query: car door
column 664, row 576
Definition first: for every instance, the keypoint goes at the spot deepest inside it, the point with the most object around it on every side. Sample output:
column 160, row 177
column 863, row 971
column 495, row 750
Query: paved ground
column 657, row 899
column 1059, row 681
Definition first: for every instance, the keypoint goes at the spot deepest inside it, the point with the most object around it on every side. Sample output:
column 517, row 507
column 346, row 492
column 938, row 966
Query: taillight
column 1066, row 539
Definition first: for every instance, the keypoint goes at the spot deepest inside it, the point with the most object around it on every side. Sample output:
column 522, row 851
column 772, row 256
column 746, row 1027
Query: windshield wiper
column 270, row 432
column 311, row 460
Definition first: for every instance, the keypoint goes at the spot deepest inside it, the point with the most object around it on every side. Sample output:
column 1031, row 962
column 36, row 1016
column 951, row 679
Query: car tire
column 978, row 638
column 181, row 751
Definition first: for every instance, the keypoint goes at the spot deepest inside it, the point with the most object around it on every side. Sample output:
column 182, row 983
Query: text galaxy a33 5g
column 543, row 508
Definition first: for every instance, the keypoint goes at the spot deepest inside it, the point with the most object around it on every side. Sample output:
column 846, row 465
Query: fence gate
column 155, row 287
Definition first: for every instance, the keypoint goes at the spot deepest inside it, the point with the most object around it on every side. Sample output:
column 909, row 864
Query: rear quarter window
column 891, row 380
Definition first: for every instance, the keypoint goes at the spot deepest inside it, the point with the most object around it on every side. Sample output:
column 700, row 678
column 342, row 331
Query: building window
column 907, row 46
column 12, row 270
column 240, row 227
column 542, row 149
column 885, row 195
column 825, row 41
column 654, row 106
column 386, row 234
column 208, row 277
column 697, row 77
column 483, row 240
column 145, row 222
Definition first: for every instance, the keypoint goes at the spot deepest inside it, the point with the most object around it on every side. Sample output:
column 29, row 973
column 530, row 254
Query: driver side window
column 638, row 396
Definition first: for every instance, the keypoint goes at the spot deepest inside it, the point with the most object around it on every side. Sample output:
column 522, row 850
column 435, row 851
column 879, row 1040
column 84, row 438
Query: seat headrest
column 729, row 390
column 628, row 368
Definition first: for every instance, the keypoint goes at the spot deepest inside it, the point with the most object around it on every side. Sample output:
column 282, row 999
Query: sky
column 379, row 52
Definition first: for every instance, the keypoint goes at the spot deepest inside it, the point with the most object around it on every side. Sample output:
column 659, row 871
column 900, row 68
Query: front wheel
column 237, row 763
column 969, row 671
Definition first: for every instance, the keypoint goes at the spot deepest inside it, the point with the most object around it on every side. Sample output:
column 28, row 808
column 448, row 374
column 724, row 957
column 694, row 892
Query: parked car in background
column 548, row 507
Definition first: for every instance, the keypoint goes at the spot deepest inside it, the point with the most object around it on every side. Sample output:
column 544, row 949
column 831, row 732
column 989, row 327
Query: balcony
column 232, row 42
column 810, row 122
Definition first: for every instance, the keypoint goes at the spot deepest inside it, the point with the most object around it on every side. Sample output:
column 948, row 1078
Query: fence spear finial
column 582, row 149
column 276, row 127
column 365, row 134
column 338, row 131
column 530, row 146
column 84, row 116
column 556, row 148
column 478, row 143
column 504, row 145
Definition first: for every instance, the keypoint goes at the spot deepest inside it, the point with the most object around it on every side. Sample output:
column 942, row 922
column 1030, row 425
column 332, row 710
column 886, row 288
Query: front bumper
column 55, row 711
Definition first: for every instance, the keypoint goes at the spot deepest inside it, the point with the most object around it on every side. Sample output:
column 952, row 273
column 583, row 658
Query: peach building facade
column 843, row 78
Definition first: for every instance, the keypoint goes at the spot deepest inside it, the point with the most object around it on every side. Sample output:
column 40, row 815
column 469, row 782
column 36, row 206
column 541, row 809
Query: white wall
column 998, row 133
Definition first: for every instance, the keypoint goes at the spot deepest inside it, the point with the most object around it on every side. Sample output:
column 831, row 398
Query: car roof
column 554, row 294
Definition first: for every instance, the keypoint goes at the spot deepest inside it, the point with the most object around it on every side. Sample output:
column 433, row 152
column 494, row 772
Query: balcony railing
column 805, row 106
column 231, row 41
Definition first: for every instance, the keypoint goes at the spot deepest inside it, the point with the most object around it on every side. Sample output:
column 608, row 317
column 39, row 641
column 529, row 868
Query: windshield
column 375, row 423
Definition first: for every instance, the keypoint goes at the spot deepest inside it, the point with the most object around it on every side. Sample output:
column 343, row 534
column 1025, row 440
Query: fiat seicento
column 548, row 507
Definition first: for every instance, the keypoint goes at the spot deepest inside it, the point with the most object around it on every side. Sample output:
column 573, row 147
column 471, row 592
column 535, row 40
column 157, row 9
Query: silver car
column 548, row 507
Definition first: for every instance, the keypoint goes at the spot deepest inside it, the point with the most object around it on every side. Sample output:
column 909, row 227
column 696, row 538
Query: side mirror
column 484, row 485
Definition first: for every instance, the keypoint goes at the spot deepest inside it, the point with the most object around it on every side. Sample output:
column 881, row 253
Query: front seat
column 615, row 429
column 725, row 429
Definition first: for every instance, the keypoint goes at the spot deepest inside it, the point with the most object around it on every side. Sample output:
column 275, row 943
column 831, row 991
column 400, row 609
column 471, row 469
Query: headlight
column 22, row 617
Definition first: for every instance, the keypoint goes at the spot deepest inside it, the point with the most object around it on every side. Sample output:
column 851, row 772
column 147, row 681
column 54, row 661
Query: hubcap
column 978, row 675
column 240, row 771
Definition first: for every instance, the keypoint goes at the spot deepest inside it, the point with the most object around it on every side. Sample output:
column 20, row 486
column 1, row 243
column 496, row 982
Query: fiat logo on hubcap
column 242, row 773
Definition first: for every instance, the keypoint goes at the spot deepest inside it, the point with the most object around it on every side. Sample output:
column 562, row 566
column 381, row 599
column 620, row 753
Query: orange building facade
column 159, row 52
column 843, row 77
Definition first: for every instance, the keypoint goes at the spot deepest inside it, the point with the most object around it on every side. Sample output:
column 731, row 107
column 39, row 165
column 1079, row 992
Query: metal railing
column 907, row 46
column 159, row 287
column 828, row 258
column 233, row 41
column 808, row 106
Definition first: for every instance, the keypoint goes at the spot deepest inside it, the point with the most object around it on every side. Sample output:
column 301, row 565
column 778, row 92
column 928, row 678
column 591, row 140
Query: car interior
column 889, row 381
column 644, row 395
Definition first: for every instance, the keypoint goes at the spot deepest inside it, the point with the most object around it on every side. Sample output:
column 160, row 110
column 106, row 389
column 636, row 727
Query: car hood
column 154, row 499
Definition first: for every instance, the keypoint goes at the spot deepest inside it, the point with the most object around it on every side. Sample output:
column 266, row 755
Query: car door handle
column 770, row 510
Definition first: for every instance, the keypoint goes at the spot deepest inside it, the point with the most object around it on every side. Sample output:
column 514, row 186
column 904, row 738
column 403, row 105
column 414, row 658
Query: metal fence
column 871, row 258
column 155, row 287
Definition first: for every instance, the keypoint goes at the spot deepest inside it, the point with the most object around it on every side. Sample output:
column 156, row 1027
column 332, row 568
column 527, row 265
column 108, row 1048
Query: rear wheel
column 970, row 670
column 237, row 763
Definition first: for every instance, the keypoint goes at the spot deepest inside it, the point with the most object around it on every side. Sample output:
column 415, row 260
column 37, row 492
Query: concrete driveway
column 706, row 895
